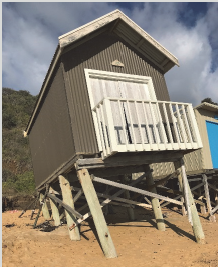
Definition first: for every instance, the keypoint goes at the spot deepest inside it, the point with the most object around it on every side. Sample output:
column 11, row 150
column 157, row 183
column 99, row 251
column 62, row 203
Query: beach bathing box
column 104, row 113
column 105, row 94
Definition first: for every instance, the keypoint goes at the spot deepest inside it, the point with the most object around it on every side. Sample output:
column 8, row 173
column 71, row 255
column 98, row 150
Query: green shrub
column 23, row 183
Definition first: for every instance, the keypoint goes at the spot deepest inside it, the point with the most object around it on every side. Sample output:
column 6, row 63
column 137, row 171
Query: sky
column 189, row 31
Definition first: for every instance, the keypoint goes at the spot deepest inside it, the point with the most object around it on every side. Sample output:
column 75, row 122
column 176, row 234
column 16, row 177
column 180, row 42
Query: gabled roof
column 121, row 25
column 128, row 30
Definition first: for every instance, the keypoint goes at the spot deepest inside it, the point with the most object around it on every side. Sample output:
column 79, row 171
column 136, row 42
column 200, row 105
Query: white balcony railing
column 124, row 125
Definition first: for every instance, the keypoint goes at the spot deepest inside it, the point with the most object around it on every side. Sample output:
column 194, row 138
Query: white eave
column 128, row 30
column 207, row 106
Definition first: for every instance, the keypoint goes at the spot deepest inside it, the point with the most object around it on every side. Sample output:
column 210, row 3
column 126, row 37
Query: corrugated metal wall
column 51, row 141
column 98, row 53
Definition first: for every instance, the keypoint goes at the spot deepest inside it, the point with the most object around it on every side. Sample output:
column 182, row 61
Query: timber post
column 68, row 199
column 130, row 210
column 181, row 188
column 212, row 217
column 202, row 207
column 45, row 210
column 216, row 196
column 190, row 205
column 155, row 201
column 54, row 209
column 98, row 217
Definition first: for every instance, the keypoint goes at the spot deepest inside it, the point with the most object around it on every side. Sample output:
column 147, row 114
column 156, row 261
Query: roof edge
column 89, row 23
column 206, row 105
column 72, row 36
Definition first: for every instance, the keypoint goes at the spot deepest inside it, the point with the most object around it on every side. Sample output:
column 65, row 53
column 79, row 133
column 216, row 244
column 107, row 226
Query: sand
column 137, row 243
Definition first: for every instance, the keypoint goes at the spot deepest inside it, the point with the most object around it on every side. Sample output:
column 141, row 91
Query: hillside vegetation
column 17, row 172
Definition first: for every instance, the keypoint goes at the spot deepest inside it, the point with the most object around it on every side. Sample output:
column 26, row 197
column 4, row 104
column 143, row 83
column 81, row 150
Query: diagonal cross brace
column 192, row 189
column 67, row 207
column 130, row 188
column 214, row 210
column 107, row 201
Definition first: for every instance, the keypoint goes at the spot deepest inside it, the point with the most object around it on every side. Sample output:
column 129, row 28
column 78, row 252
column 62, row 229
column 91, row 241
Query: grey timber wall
column 98, row 53
column 50, row 137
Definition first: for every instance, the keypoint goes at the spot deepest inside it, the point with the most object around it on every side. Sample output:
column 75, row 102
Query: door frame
column 89, row 73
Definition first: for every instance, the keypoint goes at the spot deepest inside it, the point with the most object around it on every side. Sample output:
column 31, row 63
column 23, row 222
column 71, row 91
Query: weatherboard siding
column 98, row 53
column 50, row 137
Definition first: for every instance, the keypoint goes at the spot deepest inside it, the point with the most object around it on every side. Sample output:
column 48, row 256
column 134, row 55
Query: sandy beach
column 137, row 243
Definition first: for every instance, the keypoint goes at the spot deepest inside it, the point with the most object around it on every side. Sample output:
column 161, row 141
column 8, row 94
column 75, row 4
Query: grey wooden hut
column 104, row 110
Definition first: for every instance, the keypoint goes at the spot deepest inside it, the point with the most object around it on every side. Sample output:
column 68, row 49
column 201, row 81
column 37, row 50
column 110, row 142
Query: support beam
column 202, row 207
column 54, row 209
column 214, row 210
column 108, row 200
column 133, row 189
column 78, row 195
column 130, row 210
column 98, row 217
column 181, row 188
column 68, row 199
column 45, row 210
column 212, row 218
column 163, row 180
column 155, row 202
column 190, row 204
column 216, row 198
column 65, row 206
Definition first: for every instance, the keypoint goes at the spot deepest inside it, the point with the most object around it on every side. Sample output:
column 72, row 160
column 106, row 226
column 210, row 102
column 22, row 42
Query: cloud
column 31, row 30
column 195, row 47
column 30, row 37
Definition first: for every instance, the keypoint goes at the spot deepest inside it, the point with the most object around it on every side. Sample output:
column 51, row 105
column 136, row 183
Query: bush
column 17, row 171
column 23, row 183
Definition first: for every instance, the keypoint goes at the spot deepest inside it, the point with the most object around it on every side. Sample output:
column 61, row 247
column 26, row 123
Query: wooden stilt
column 155, row 201
column 184, row 212
column 54, row 209
column 190, row 204
column 68, row 199
column 130, row 210
column 105, row 208
column 98, row 217
column 212, row 218
column 202, row 207
column 216, row 198
column 45, row 210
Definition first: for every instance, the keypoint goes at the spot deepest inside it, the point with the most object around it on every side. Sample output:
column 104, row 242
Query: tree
column 209, row 100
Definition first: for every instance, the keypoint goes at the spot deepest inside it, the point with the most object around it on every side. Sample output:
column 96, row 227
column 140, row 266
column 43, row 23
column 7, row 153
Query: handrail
column 138, row 100
column 125, row 124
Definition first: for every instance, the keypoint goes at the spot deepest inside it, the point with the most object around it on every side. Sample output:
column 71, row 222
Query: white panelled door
column 133, row 121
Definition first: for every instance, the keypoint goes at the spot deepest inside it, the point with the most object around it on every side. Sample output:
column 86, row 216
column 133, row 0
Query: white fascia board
column 207, row 106
column 88, row 28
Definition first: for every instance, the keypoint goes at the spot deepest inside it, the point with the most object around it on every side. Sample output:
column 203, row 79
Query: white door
column 133, row 121
column 140, row 122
